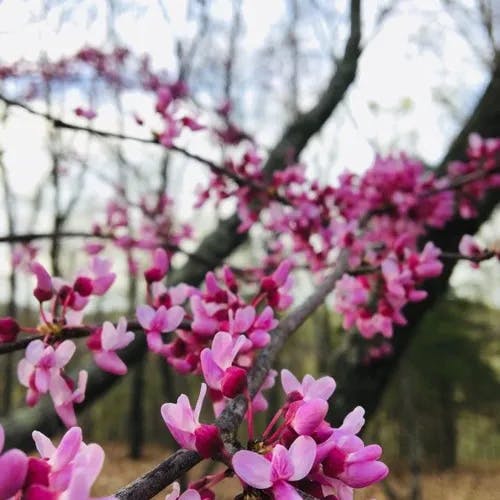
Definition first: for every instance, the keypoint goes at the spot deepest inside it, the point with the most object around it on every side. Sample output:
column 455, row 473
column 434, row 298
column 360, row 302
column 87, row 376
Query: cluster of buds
column 63, row 473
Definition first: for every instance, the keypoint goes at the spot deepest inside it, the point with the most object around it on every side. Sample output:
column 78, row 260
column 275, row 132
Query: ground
column 479, row 481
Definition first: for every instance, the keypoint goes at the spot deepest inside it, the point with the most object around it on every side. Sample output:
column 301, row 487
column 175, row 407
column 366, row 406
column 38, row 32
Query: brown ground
column 478, row 482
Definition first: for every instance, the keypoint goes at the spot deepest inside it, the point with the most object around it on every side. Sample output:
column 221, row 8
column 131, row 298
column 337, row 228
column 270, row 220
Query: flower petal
column 253, row 469
column 289, row 382
column 302, row 454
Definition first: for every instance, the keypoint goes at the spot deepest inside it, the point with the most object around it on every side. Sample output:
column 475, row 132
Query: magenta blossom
column 309, row 389
column 159, row 321
column 89, row 114
column 65, row 394
column 182, row 421
column 105, row 341
column 189, row 494
column 102, row 277
column 159, row 268
column 9, row 329
column 216, row 360
column 184, row 425
column 73, row 467
column 343, row 456
column 275, row 471
column 44, row 289
column 41, row 362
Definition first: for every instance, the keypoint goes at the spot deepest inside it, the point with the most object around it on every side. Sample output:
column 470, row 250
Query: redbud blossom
column 187, row 495
column 160, row 266
column 105, row 341
column 276, row 471
column 43, row 290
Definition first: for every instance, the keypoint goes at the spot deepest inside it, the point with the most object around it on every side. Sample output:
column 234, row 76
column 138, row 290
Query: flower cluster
column 219, row 311
column 65, row 472
column 298, row 451
column 41, row 371
column 482, row 171
column 373, row 302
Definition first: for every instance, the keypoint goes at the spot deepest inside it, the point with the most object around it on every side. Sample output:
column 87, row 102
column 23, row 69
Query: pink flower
column 256, row 328
column 182, row 421
column 309, row 389
column 159, row 268
column 187, row 495
column 274, row 472
column 36, row 370
column 164, row 98
column 102, row 278
column 344, row 456
column 304, row 417
column 159, row 321
column 59, row 459
column 191, row 123
column 64, row 394
column 105, row 341
column 216, row 360
column 278, row 285
column 43, row 290
column 13, row 469
column 469, row 247
column 203, row 324
column 428, row 264
column 72, row 468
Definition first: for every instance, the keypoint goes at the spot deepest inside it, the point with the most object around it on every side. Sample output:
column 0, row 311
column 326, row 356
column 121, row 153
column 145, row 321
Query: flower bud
column 83, row 286
column 42, row 295
column 334, row 464
column 38, row 472
column 208, row 441
column 234, row 381
column 153, row 274
column 8, row 329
